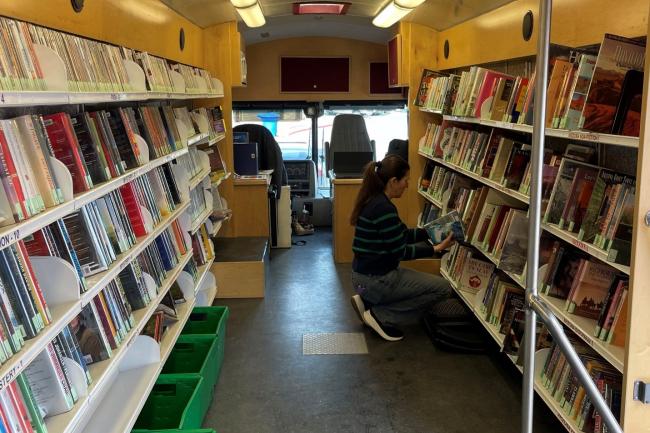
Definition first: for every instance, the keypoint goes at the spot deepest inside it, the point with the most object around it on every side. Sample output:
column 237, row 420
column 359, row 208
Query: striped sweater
column 381, row 239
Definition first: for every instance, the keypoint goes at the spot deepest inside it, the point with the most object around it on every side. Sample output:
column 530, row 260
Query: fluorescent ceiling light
column 391, row 14
column 251, row 14
column 240, row 4
column 409, row 4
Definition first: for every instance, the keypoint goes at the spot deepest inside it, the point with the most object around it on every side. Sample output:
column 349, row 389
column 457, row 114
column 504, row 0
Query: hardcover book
column 439, row 229
column 475, row 275
column 591, row 290
column 616, row 57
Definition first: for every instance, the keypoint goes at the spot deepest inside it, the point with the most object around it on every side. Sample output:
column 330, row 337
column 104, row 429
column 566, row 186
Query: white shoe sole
column 370, row 321
column 359, row 308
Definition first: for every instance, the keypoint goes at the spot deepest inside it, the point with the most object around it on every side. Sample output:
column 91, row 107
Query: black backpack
column 452, row 327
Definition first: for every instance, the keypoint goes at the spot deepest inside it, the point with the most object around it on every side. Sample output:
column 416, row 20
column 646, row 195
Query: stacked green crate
column 209, row 321
column 195, row 355
column 174, row 403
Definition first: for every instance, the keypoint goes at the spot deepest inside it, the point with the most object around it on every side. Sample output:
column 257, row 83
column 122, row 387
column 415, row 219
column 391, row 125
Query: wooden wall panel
column 264, row 68
column 496, row 35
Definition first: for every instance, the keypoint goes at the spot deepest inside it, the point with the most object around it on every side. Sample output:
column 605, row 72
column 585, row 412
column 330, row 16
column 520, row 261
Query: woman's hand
column 449, row 241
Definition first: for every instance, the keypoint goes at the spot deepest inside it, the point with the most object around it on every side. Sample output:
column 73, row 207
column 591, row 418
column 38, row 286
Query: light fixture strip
column 251, row 14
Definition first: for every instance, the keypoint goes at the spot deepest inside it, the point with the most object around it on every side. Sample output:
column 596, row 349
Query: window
column 291, row 128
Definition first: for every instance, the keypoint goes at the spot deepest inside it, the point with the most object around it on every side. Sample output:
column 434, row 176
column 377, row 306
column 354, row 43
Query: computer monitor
column 350, row 164
column 240, row 137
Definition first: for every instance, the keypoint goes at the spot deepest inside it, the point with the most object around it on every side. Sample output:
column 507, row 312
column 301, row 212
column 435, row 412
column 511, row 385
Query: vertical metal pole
column 537, row 161
column 314, row 136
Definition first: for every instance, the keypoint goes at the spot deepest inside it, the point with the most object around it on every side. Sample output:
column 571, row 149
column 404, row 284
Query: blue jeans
column 400, row 296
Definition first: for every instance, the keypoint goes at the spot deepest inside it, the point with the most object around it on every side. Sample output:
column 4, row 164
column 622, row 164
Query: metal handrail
column 534, row 304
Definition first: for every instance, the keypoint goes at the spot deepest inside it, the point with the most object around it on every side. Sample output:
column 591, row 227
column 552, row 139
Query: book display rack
column 93, row 193
column 477, row 161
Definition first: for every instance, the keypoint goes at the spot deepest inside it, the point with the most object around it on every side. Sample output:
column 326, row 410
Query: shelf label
column 130, row 177
column 11, row 375
column 9, row 238
column 583, row 246
column 584, row 136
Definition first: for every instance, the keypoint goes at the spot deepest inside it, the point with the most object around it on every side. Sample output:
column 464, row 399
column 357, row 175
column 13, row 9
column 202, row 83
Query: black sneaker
column 358, row 306
column 387, row 332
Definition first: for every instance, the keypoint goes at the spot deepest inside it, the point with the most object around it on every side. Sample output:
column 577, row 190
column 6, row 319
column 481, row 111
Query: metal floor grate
column 339, row 343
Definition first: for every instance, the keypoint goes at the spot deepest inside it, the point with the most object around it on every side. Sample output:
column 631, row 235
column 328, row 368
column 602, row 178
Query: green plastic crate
column 209, row 320
column 174, row 403
column 195, row 354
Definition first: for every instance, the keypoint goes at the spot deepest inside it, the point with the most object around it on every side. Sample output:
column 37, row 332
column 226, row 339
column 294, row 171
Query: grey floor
column 268, row 386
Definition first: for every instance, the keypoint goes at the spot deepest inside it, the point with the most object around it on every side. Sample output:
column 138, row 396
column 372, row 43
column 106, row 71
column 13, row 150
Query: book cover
column 627, row 120
column 425, row 84
column 561, row 191
column 439, row 229
column 475, row 275
column 572, row 117
column 591, row 291
column 581, row 190
column 617, row 55
column 565, row 272
column 515, row 248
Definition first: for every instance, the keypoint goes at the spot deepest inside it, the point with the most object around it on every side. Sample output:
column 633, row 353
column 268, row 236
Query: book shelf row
column 586, row 136
column 71, row 305
column 503, row 336
column 585, row 91
column 103, row 372
column 569, row 237
column 497, row 231
column 35, row 58
column 82, row 157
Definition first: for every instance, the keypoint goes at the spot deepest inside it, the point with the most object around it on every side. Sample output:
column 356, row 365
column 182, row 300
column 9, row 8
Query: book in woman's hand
column 439, row 229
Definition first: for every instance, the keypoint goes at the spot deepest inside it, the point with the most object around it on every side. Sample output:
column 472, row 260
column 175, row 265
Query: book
column 591, row 290
column 439, row 229
column 617, row 56
column 475, row 275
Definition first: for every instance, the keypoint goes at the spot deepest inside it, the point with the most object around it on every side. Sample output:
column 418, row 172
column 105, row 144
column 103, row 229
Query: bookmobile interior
column 177, row 177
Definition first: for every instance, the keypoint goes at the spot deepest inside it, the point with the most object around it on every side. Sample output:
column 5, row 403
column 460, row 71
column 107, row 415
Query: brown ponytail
column 375, row 177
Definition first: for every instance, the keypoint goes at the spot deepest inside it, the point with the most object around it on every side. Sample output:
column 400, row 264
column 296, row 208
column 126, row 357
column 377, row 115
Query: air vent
column 321, row 8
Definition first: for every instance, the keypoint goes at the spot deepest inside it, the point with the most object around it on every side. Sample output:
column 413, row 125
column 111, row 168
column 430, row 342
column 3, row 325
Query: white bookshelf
column 566, row 236
column 488, row 182
column 97, row 282
column 590, row 249
column 103, row 373
column 429, row 198
column 198, row 178
column 592, row 137
column 584, row 328
column 470, row 299
column 18, row 231
column 63, row 313
column 216, row 139
column 126, row 397
column 197, row 138
column 198, row 222
column 221, row 179
column 203, row 272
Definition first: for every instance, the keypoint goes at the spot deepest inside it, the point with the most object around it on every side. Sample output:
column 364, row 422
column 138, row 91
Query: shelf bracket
column 641, row 392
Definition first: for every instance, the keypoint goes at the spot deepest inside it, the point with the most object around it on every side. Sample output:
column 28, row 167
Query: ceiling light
column 320, row 8
column 251, row 13
column 409, row 4
column 391, row 14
